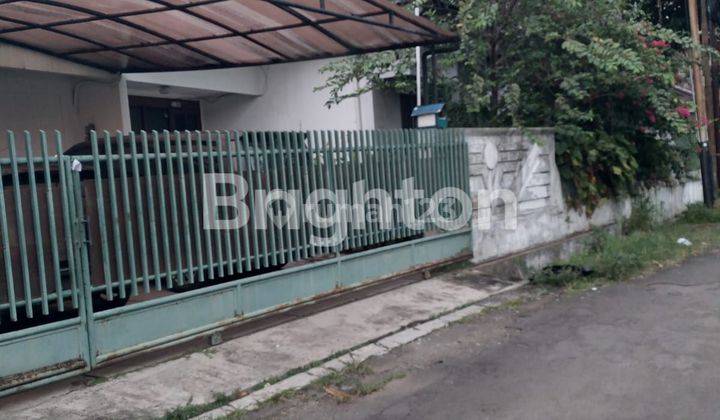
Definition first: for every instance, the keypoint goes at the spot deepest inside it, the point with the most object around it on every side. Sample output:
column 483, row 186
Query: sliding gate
column 109, row 247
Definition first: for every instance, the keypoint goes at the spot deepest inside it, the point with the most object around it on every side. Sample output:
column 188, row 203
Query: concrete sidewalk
column 250, row 360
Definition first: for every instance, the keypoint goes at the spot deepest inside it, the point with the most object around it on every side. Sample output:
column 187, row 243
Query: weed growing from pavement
column 191, row 410
column 352, row 381
column 641, row 251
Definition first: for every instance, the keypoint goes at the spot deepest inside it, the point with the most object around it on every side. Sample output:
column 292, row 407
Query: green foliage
column 620, row 257
column 644, row 216
column 700, row 214
column 597, row 70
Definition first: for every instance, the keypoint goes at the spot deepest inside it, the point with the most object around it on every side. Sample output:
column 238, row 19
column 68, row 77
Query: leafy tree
column 597, row 70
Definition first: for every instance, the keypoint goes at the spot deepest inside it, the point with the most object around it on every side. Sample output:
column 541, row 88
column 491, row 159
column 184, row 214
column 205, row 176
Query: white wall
column 245, row 81
column 12, row 57
column 288, row 102
column 522, row 163
column 42, row 101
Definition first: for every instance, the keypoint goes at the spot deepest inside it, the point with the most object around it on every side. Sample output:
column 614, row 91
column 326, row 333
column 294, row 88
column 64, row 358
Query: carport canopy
column 169, row 35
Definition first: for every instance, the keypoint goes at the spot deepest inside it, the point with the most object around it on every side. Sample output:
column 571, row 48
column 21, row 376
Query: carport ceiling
column 167, row 35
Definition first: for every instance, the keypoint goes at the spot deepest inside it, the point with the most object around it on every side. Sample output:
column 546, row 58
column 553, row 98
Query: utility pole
column 418, row 70
column 710, row 93
column 705, row 159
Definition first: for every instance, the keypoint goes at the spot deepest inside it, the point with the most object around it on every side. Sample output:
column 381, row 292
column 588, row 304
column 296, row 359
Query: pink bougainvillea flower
column 658, row 43
column 684, row 112
column 651, row 116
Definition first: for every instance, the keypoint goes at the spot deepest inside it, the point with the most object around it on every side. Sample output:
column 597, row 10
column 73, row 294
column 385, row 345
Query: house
column 248, row 66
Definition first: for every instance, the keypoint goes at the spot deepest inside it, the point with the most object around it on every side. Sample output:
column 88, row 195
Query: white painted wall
column 288, row 102
column 43, row 101
column 522, row 163
column 12, row 57
column 244, row 81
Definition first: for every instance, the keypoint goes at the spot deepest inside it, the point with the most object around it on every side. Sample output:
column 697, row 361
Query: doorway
column 149, row 114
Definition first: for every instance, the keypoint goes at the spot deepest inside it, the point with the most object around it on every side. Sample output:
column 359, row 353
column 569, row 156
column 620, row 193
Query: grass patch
column 643, row 249
column 644, row 217
column 352, row 382
column 191, row 410
column 700, row 214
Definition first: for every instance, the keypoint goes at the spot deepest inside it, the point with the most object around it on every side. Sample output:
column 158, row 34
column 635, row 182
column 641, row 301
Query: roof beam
column 130, row 24
column 346, row 16
column 103, row 47
column 226, row 27
column 284, row 6
column 231, row 35
column 102, row 16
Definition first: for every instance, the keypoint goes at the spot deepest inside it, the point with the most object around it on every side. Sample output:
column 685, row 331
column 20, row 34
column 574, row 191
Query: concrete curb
column 377, row 348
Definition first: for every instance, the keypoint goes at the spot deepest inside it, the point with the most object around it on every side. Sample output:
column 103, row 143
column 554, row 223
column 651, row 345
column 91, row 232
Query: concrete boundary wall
column 518, row 201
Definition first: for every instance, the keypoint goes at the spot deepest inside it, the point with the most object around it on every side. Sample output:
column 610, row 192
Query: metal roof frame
column 398, row 21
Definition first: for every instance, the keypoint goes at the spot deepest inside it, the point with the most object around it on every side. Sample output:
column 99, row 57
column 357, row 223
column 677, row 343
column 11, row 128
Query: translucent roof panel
column 170, row 35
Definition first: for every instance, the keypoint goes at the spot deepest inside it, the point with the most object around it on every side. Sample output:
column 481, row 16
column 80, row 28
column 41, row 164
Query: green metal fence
column 119, row 218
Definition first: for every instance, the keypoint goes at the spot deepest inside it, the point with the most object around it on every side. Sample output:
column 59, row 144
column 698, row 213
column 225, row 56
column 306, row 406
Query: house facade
column 41, row 92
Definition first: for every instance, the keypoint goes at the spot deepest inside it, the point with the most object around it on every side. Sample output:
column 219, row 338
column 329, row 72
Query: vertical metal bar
column 60, row 301
column 332, row 178
column 324, row 178
column 363, row 160
column 129, row 236
column 37, row 232
column 409, row 153
column 173, row 210
column 184, row 207
column 235, row 161
column 7, row 257
column 374, row 180
column 251, row 182
column 338, row 166
column 291, row 186
column 289, row 245
column 312, row 141
column 102, row 224
column 288, row 160
column 194, row 205
column 216, row 236
column 434, row 161
column 396, row 165
column 261, row 185
column 139, row 213
column 208, row 236
column 119, row 262
column 80, row 252
column 455, row 165
column 343, row 146
column 385, row 182
column 258, row 182
column 416, row 170
column 162, row 205
column 245, row 213
column 400, row 158
column 152, row 222
column 301, row 170
column 20, row 225
column 226, row 232
column 446, row 163
column 356, row 177
column 272, row 180
column 405, row 159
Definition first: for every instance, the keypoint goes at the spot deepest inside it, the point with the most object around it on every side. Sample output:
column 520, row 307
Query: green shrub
column 700, row 214
column 644, row 217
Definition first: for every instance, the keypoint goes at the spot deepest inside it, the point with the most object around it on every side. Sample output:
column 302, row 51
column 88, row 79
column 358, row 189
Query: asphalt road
column 644, row 349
